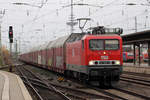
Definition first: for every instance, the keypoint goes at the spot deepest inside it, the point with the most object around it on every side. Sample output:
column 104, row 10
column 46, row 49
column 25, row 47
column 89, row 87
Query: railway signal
column 10, row 34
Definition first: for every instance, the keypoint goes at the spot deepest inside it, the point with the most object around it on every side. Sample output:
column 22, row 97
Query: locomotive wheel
column 69, row 74
column 83, row 78
column 105, row 82
column 75, row 75
column 101, row 83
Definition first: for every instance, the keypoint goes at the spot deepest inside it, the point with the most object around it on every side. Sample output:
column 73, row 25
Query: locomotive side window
column 96, row 44
column 111, row 44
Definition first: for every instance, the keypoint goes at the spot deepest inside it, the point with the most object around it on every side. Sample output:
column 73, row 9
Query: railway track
column 136, row 74
column 51, row 92
column 75, row 94
column 29, row 84
column 7, row 66
column 136, row 81
column 133, row 93
column 70, row 93
column 121, row 94
column 113, row 95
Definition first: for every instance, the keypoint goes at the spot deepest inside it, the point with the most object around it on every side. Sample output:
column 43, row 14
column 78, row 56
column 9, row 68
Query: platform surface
column 136, row 65
column 12, row 87
column 130, row 67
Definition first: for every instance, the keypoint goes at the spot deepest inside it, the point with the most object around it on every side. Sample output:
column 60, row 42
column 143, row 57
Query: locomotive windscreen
column 100, row 44
column 111, row 44
column 96, row 44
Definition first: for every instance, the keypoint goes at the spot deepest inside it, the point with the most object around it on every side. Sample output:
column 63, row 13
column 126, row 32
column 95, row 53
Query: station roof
column 136, row 38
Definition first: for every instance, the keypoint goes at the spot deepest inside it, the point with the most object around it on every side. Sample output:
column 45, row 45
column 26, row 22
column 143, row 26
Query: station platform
column 136, row 65
column 12, row 87
column 130, row 67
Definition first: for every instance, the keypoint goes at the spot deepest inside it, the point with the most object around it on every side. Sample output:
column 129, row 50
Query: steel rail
column 48, row 85
column 7, row 66
column 28, row 82
column 136, row 74
column 108, row 93
column 35, row 82
column 4, row 68
column 45, row 87
column 68, row 89
column 82, row 92
column 133, row 93
column 134, row 81
column 147, row 81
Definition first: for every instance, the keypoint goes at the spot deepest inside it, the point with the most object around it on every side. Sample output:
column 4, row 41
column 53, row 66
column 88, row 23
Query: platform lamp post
column 10, row 41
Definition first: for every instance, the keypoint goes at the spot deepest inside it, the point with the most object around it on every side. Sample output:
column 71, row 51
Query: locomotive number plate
column 104, row 57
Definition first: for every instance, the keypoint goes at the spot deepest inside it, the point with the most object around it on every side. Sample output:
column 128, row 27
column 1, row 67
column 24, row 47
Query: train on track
column 94, row 56
column 128, row 56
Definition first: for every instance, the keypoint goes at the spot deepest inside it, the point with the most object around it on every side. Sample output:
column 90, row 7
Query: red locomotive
column 95, row 57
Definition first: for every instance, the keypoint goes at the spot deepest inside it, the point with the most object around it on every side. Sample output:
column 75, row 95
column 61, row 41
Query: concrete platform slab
column 12, row 87
column 143, row 68
column 137, row 65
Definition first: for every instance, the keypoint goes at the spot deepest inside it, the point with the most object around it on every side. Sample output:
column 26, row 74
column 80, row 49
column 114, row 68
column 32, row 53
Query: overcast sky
column 38, row 21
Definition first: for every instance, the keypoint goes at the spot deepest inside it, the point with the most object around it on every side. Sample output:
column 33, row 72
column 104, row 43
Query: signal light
column 10, row 34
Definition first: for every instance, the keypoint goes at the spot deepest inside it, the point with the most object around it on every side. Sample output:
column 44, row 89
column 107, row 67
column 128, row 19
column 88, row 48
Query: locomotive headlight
column 117, row 62
column 91, row 62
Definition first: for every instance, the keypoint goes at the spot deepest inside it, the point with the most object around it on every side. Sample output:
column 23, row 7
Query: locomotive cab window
column 101, row 44
column 111, row 44
column 96, row 44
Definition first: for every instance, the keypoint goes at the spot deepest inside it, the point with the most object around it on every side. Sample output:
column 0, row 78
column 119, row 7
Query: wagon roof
column 35, row 49
column 58, row 42
column 43, row 46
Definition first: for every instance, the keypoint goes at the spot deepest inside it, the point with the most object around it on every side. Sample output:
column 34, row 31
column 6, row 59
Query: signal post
column 10, row 41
